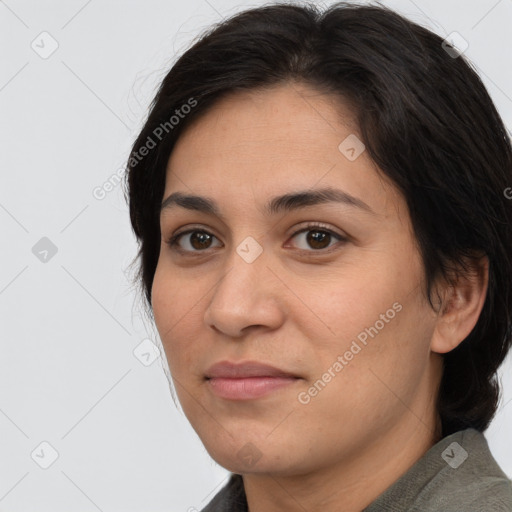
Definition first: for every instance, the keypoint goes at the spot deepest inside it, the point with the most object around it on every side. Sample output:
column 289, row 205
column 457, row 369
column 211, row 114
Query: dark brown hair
column 427, row 121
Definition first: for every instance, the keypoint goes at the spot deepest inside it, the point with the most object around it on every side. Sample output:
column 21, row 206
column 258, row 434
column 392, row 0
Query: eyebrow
column 278, row 204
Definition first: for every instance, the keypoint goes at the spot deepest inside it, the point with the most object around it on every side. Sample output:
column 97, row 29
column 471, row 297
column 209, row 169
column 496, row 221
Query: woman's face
column 328, row 292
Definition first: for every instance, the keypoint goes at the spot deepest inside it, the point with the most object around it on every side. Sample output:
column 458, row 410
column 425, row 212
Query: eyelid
column 310, row 226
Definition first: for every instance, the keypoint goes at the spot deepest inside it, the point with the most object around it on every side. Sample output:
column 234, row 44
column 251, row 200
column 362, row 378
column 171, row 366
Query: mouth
column 247, row 381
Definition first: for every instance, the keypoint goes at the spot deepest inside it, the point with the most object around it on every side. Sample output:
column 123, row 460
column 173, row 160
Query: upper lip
column 226, row 369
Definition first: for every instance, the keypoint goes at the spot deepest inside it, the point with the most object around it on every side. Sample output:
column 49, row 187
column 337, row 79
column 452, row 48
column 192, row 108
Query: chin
column 245, row 453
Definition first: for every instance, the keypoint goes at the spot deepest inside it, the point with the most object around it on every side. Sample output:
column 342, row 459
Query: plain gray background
column 73, row 371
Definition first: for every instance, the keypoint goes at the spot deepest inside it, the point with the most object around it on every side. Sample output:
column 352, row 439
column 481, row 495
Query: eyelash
column 173, row 240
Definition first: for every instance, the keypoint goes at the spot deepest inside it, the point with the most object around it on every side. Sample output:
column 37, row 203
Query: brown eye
column 318, row 239
column 200, row 240
column 314, row 237
column 194, row 240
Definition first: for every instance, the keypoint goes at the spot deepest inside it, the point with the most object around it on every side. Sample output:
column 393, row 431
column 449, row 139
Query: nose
column 246, row 296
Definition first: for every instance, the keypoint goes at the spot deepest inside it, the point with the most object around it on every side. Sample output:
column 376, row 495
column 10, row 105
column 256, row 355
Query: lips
column 228, row 370
column 247, row 381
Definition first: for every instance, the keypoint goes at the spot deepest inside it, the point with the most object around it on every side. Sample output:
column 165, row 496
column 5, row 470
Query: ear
column 461, row 303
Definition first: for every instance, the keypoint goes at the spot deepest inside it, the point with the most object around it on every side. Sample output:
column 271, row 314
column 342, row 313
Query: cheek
column 379, row 323
column 173, row 296
column 161, row 301
column 375, row 385
column 339, row 307
column 176, row 316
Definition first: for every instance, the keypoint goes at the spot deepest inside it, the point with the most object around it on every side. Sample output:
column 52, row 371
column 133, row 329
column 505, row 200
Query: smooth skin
column 301, row 303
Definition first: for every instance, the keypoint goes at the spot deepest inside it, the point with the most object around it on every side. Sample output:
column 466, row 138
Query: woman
column 325, row 249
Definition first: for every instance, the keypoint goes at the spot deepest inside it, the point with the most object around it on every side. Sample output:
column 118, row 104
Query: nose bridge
column 244, row 295
column 244, row 271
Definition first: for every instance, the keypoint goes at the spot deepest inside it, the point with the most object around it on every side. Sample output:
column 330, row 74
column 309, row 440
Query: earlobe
column 461, row 304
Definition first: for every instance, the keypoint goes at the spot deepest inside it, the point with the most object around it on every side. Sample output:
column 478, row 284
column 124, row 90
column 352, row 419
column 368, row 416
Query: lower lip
column 248, row 387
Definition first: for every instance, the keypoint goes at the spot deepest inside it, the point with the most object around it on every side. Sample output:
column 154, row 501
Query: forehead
column 261, row 143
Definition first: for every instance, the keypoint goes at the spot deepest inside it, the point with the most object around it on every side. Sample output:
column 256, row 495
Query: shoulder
column 489, row 495
column 458, row 474
column 475, row 482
